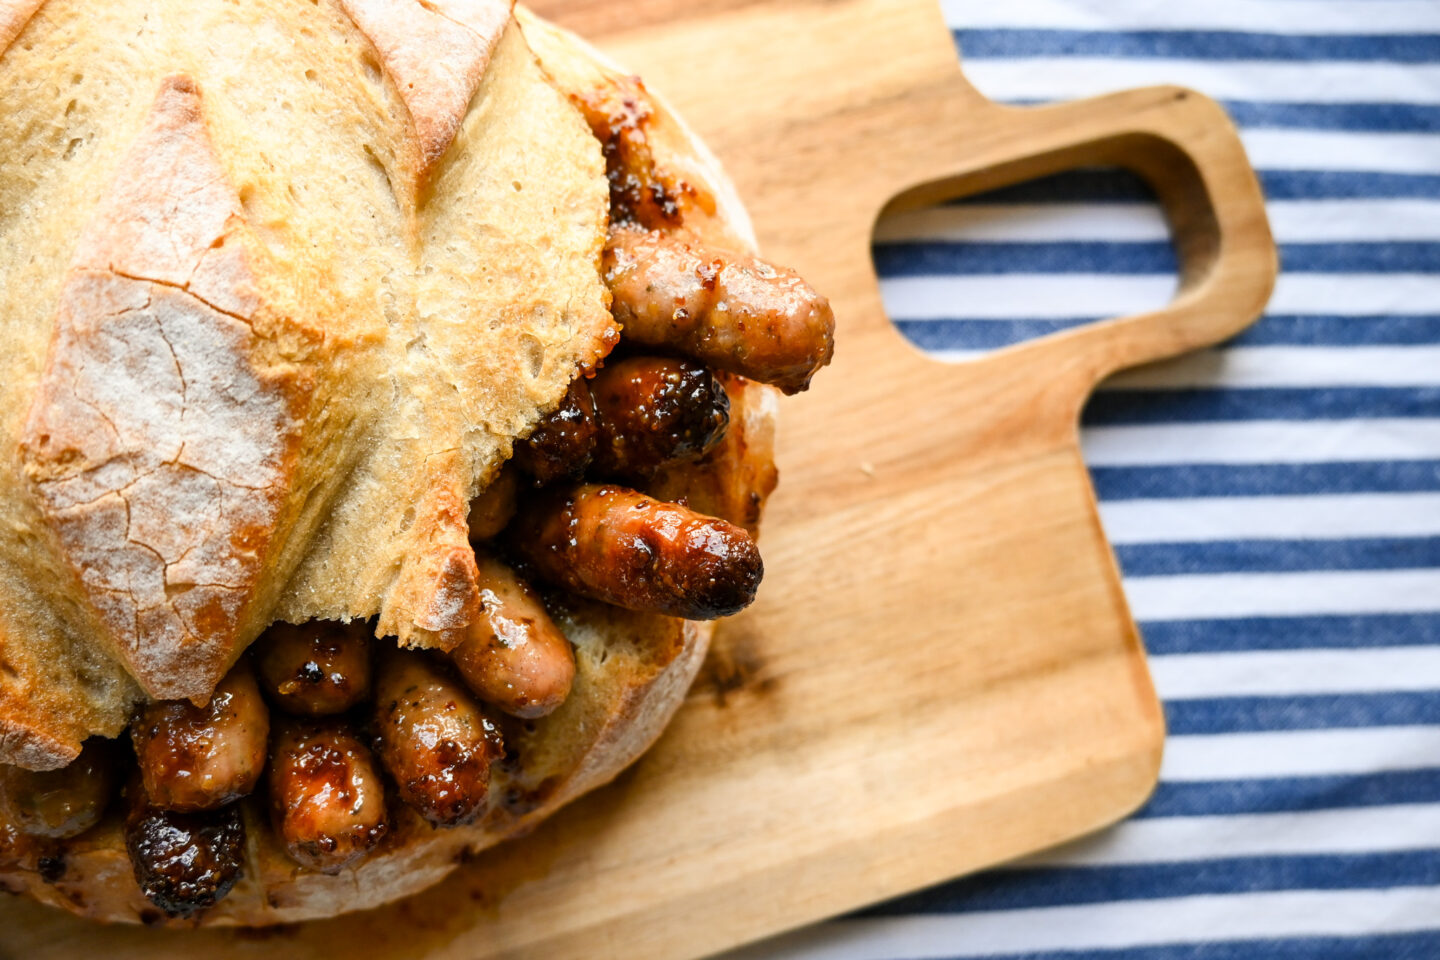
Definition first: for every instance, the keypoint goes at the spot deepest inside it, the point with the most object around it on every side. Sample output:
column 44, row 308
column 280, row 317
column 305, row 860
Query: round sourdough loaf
column 283, row 282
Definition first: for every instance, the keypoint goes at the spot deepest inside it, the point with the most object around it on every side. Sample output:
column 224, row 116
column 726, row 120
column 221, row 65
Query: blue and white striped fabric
column 1275, row 503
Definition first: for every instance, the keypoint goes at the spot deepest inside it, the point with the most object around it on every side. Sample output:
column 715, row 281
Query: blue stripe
column 1065, row 886
column 1373, row 117
column 1292, row 633
column 941, row 258
column 1114, row 407
column 1341, row 331
column 1089, row 185
column 1224, row 45
column 985, row 334
column 1339, row 711
column 1340, row 185
column 951, row 258
column 1251, row 480
column 981, row 334
column 1292, row 794
column 1112, row 185
column 1277, row 556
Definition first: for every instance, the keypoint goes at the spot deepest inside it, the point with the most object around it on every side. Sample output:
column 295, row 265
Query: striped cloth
column 1275, row 503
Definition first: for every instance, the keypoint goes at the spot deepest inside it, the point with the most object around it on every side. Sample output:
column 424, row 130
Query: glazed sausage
column 433, row 739
column 619, row 113
column 513, row 655
column 656, row 411
column 201, row 758
column 184, row 862
column 613, row 544
column 731, row 312
column 492, row 510
column 563, row 443
column 63, row 803
column 326, row 795
column 316, row 669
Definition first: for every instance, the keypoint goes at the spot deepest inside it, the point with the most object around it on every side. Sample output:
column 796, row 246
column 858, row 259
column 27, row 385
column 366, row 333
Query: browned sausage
column 656, row 411
column 613, row 544
column 513, row 655
column 316, row 669
column 63, row 803
column 201, row 758
column 184, row 862
column 433, row 739
column 731, row 312
column 619, row 113
column 563, row 443
column 492, row 510
column 326, row 795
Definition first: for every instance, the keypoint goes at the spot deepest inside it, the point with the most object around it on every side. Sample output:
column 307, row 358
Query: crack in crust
column 159, row 445
column 14, row 15
column 436, row 52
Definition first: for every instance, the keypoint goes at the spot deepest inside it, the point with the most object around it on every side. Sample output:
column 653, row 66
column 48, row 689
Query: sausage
column 326, row 795
column 184, row 862
column 731, row 312
column 316, row 669
column 656, row 411
column 492, row 510
column 201, row 758
column 433, row 739
column 63, row 803
column 564, row 441
column 513, row 655
column 619, row 114
column 613, row 544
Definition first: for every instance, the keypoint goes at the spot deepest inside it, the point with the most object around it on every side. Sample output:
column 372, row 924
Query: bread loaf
column 277, row 302
column 283, row 283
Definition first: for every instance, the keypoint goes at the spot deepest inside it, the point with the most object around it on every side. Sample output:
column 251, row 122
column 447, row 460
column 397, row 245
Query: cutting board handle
column 1185, row 146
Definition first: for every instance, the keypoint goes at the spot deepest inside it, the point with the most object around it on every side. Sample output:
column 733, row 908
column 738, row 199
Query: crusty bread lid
column 283, row 283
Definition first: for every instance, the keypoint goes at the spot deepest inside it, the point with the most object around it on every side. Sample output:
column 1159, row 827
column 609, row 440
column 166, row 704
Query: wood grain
column 942, row 672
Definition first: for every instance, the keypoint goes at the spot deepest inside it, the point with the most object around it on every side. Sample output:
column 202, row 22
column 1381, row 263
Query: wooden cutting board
column 941, row 673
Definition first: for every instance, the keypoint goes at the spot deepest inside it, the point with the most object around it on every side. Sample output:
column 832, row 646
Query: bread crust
column 437, row 53
column 14, row 14
column 161, row 441
column 284, row 355
column 633, row 670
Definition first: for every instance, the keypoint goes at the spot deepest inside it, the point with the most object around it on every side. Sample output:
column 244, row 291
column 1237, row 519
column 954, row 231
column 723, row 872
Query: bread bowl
column 296, row 279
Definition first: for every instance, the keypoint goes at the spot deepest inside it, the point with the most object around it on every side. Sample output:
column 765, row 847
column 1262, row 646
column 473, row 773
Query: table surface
column 1275, row 503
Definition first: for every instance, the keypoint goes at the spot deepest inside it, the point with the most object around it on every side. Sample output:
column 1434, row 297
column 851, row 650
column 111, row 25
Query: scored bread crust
column 278, row 303
column 633, row 670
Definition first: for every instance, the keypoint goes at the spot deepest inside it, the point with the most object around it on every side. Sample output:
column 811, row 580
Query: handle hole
column 965, row 278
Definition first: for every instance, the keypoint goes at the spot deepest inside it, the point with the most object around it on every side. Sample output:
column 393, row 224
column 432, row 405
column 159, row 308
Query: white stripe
column 1129, row 923
column 1342, row 150
column 1027, row 223
column 1178, row 839
column 1293, row 221
column 1211, row 519
column 1295, row 16
column 1317, row 221
column 1294, row 673
column 1263, row 441
column 1299, row 753
column 1043, row 295
column 1289, row 366
column 1068, row 78
column 1024, row 295
column 1227, row 595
